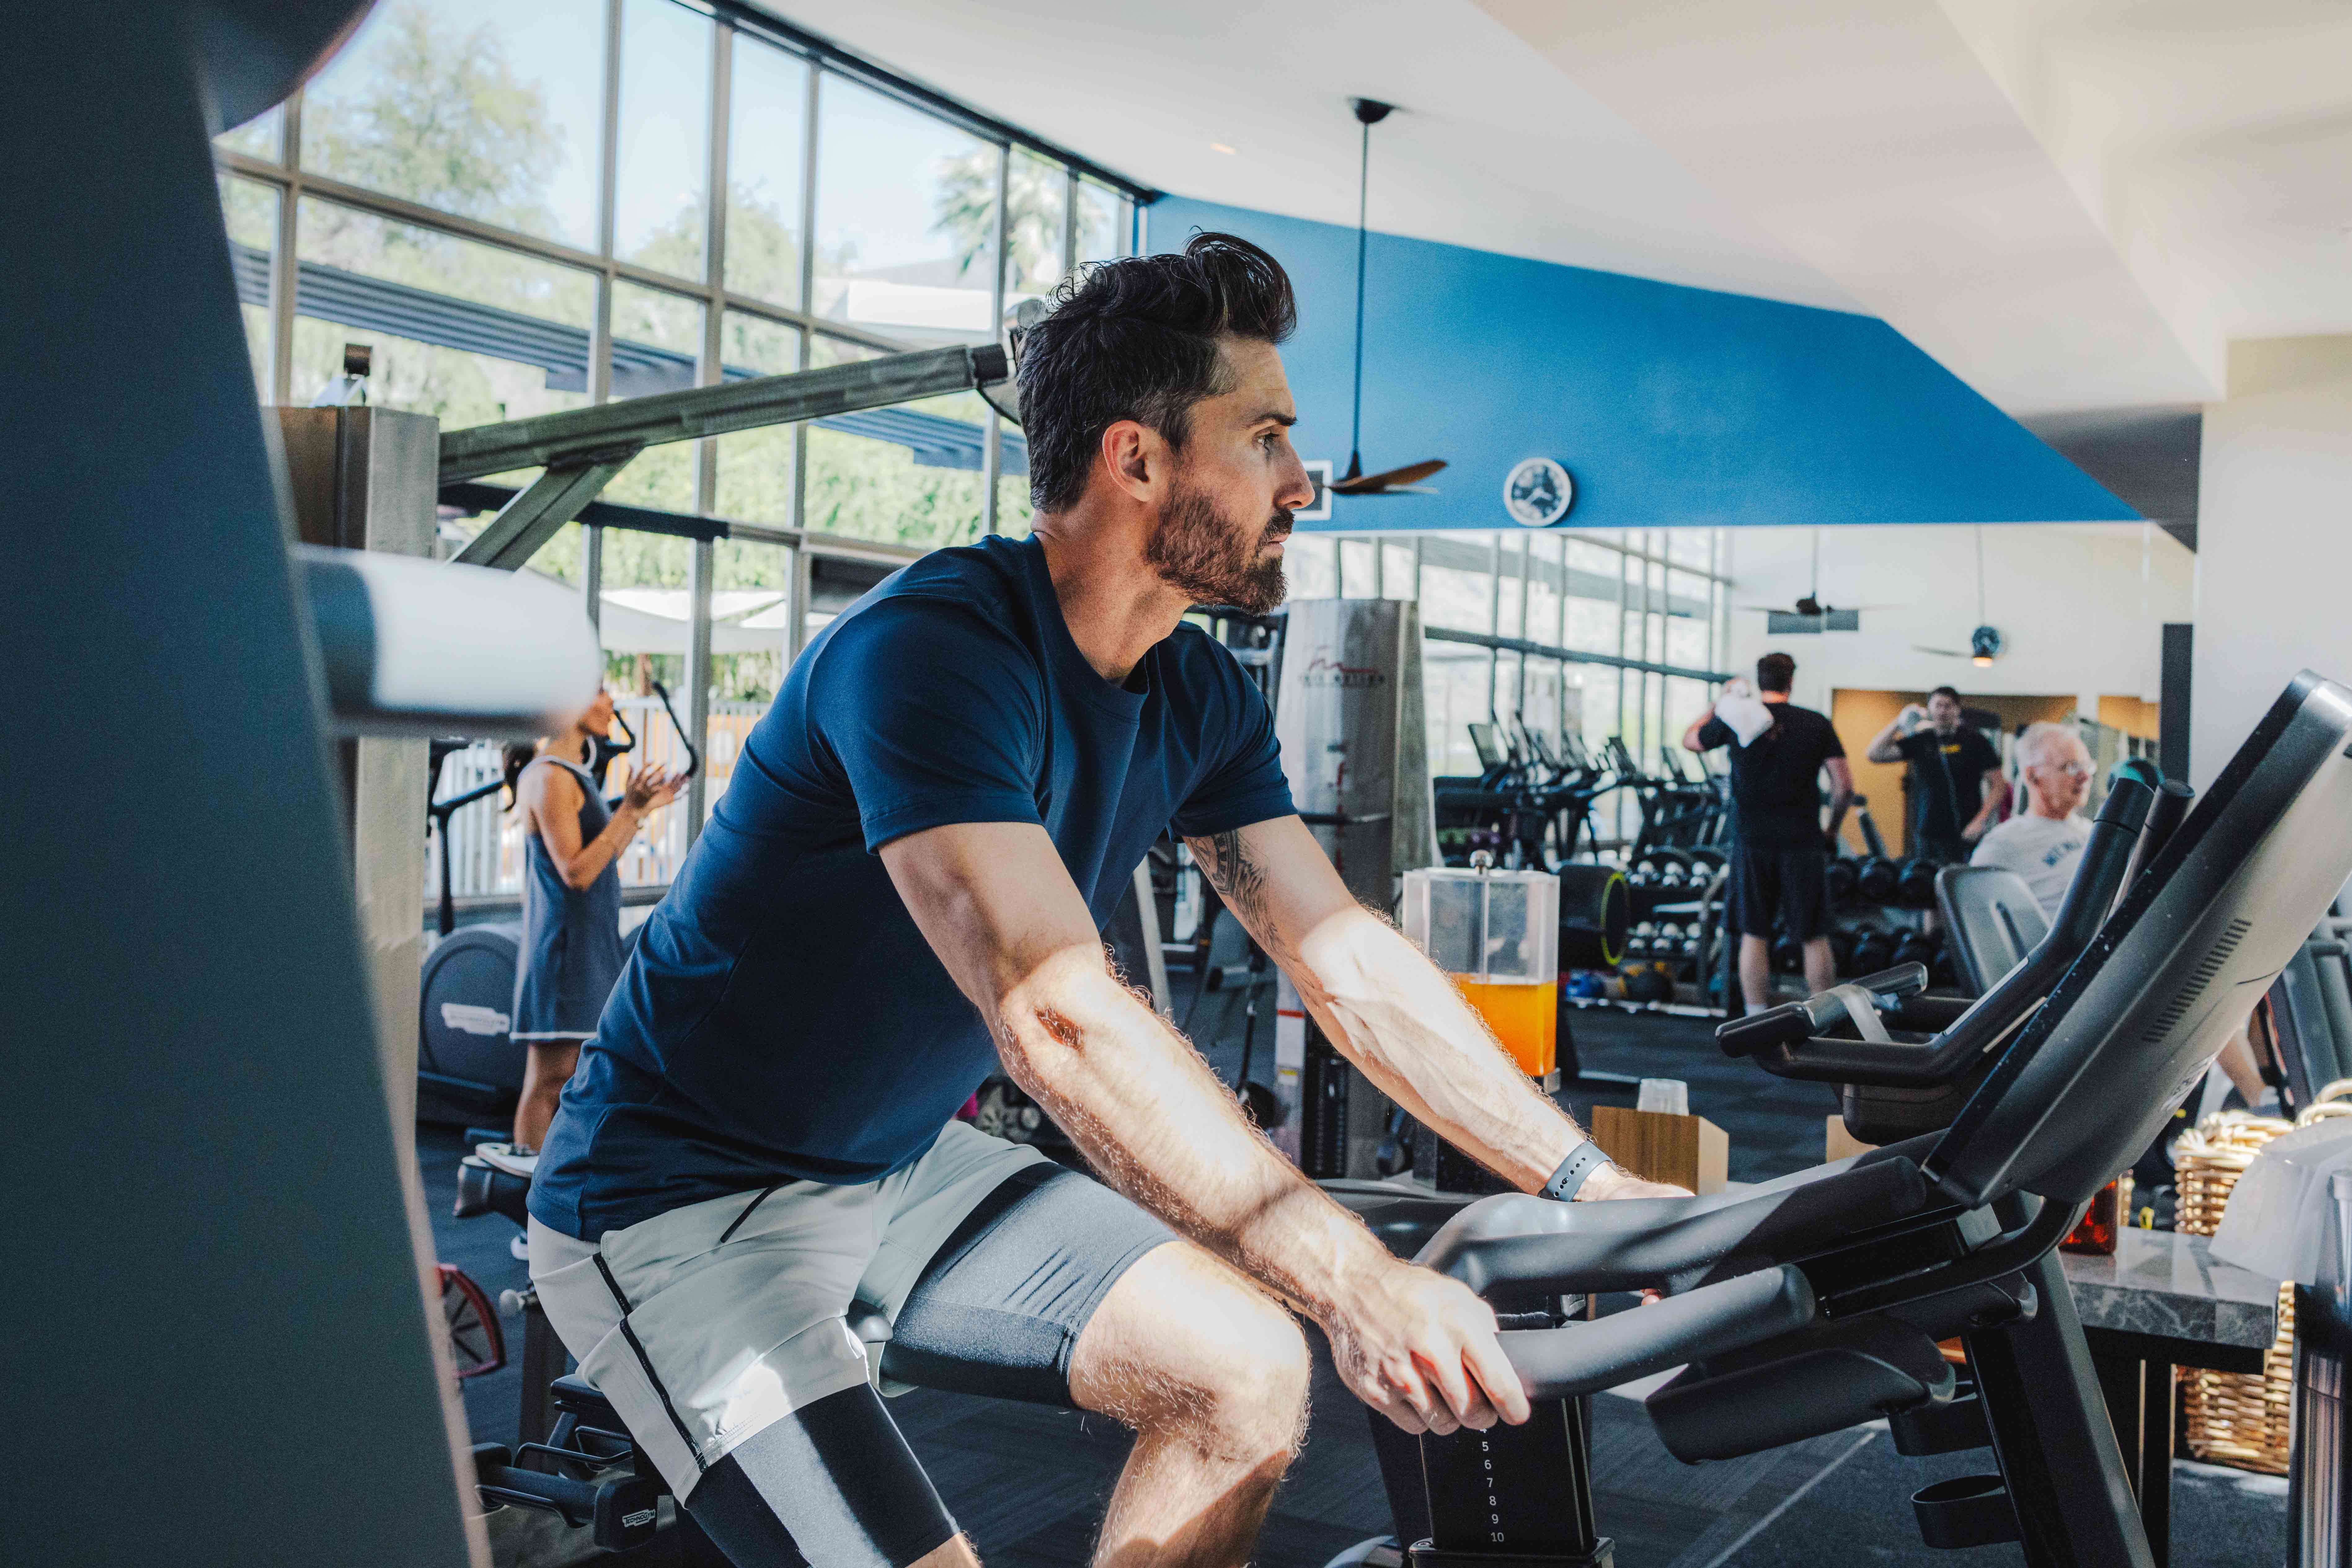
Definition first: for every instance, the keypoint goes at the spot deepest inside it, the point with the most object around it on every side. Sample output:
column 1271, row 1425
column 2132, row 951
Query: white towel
column 1748, row 714
column 2274, row 1224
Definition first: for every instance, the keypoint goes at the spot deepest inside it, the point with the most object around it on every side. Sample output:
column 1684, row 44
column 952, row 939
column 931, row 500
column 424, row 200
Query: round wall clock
column 1537, row 493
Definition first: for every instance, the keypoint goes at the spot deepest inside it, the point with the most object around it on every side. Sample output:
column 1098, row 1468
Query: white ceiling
column 2212, row 139
column 1493, row 148
column 1868, row 137
column 2071, row 204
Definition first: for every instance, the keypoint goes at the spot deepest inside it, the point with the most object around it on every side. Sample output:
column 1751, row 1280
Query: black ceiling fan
column 1809, row 614
column 1400, row 481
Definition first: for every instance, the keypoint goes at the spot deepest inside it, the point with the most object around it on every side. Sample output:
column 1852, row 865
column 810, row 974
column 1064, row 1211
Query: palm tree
column 1036, row 191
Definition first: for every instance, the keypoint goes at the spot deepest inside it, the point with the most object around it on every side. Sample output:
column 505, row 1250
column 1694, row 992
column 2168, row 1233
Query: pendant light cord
column 1356, row 417
column 1980, row 596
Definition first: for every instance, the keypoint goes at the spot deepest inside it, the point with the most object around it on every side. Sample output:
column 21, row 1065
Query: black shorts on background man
column 1778, row 854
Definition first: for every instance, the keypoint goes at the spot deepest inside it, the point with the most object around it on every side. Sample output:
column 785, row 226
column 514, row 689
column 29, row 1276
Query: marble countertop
column 2169, row 1286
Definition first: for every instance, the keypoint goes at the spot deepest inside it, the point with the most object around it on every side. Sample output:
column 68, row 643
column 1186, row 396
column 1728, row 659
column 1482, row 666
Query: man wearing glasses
column 2044, row 843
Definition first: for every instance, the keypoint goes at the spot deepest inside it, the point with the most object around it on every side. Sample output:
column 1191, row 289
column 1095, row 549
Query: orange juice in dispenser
column 1496, row 933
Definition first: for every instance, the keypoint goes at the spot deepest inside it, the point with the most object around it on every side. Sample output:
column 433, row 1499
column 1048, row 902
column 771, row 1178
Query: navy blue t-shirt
column 782, row 1016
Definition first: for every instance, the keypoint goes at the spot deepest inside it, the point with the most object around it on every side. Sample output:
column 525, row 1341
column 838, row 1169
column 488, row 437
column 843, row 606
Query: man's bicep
column 993, row 899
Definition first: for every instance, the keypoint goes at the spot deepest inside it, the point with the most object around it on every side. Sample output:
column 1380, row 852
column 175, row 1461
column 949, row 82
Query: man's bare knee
column 1265, row 1384
column 1247, row 1396
column 1198, row 1348
column 953, row 1552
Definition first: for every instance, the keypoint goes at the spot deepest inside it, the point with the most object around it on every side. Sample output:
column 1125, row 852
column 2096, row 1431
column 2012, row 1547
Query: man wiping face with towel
column 1780, row 852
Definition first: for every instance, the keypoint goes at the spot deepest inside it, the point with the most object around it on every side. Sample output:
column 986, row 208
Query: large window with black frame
column 525, row 205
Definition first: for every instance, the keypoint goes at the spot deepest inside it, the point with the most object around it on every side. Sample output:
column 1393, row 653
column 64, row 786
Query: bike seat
column 506, row 1157
column 576, row 1395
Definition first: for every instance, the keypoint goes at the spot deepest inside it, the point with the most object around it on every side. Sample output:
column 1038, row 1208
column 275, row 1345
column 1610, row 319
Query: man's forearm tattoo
column 1239, row 880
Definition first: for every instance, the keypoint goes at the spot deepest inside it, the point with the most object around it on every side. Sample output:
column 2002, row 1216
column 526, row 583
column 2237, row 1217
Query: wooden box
column 1688, row 1150
column 1837, row 1142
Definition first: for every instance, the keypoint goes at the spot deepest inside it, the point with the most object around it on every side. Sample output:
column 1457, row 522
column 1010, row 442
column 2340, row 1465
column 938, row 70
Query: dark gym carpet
column 1029, row 1483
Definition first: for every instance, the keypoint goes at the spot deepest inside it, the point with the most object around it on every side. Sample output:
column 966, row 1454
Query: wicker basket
column 2239, row 1418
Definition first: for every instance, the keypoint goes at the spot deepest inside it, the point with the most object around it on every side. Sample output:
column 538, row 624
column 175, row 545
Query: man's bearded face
column 1213, row 559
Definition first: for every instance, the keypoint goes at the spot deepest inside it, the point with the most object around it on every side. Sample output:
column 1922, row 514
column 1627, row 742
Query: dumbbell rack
column 1879, row 917
column 1678, row 909
column 1670, row 907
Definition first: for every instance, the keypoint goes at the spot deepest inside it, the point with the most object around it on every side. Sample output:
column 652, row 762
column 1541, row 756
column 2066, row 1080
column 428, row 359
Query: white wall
column 2274, row 537
column 2079, row 607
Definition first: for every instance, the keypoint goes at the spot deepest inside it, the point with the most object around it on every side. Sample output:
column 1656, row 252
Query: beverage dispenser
column 1496, row 933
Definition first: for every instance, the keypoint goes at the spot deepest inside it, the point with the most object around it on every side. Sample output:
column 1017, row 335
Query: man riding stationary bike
column 904, row 886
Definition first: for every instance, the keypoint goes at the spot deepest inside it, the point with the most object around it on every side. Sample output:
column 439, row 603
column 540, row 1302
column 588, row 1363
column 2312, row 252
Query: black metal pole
column 1356, row 414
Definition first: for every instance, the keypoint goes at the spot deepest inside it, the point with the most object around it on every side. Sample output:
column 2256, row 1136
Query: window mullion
column 797, row 515
column 992, row 457
column 285, row 268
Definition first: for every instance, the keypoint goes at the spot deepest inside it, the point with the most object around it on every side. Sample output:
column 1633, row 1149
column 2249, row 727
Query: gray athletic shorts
column 707, row 1324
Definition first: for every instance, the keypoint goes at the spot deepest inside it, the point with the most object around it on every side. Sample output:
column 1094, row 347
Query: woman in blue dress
column 571, row 950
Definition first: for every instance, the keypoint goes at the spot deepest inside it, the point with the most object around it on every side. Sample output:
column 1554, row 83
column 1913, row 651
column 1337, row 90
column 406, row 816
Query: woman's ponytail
column 518, row 756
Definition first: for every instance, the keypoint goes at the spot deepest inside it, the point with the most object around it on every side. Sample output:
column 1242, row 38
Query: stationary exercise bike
column 575, row 1457
column 1817, row 1301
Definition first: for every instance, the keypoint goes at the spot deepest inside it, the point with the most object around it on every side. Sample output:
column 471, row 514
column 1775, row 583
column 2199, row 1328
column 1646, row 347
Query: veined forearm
column 1389, row 1009
column 1146, row 1111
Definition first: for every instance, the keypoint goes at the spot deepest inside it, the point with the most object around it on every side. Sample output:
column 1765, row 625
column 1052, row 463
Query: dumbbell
column 1914, row 886
column 1917, row 947
column 1875, row 881
column 1667, row 941
column 1787, row 957
column 1872, row 951
column 1645, row 982
column 1839, row 879
column 1842, row 951
column 1637, row 942
column 1943, row 971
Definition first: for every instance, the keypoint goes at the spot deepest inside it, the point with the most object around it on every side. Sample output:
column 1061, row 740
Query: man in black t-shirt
column 1956, row 788
column 1779, row 849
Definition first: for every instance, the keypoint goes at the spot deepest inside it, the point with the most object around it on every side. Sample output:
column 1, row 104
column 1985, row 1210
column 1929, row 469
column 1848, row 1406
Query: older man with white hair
column 2044, row 845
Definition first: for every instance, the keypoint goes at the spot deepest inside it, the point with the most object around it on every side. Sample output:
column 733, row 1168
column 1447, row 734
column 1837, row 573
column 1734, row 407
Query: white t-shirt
column 2043, row 852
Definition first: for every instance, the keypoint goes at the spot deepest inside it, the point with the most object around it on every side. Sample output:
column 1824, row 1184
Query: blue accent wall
column 1670, row 407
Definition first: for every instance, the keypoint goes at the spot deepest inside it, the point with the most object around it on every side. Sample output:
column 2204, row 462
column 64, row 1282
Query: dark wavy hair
column 1775, row 672
column 1137, row 339
column 517, row 756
